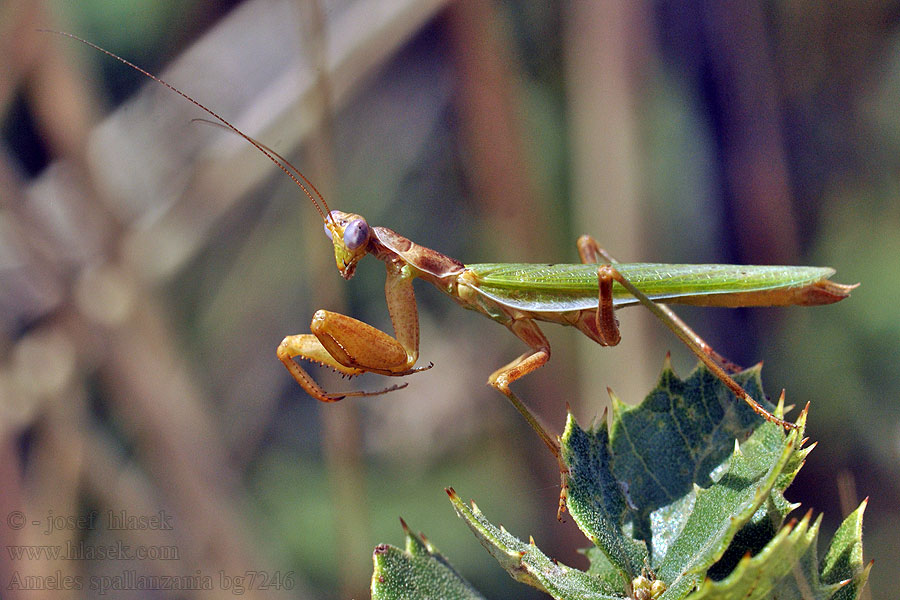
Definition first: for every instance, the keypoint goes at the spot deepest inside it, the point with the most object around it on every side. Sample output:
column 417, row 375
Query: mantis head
column 350, row 235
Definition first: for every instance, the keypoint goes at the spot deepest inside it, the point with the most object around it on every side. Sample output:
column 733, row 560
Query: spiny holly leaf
column 596, row 499
column 666, row 458
column 756, row 577
column 676, row 438
column 683, row 497
column 602, row 569
column 797, row 575
column 525, row 563
column 765, row 523
column 843, row 563
column 700, row 526
column 720, row 510
column 418, row 572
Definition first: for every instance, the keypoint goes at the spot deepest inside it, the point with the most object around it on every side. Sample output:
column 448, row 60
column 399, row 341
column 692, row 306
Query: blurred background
column 149, row 265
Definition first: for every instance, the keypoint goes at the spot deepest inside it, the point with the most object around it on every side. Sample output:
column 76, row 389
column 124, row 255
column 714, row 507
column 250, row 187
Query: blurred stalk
column 752, row 147
column 604, row 43
column 341, row 432
column 492, row 131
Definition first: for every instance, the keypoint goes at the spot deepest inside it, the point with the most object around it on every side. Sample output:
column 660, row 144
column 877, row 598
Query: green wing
column 563, row 287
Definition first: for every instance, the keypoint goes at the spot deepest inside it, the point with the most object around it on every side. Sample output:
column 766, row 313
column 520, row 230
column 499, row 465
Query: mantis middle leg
column 528, row 331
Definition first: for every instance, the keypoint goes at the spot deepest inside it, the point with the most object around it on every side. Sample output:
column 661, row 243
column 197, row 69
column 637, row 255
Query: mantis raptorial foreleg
column 591, row 252
column 352, row 347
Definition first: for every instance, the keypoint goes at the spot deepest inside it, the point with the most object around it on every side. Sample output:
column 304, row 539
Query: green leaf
column 756, row 577
column 525, row 563
column 840, row 576
column 418, row 572
column 644, row 480
column 720, row 510
column 595, row 497
column 683, row 497
column 678, row 436
column 843, row 563
column 602, row 569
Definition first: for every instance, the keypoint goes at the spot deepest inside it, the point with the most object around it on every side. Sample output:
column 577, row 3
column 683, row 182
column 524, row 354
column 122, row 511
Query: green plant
column 680, row 496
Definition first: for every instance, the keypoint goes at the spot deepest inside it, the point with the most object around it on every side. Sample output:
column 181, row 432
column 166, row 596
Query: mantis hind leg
column 591, row 253
column 704, row 356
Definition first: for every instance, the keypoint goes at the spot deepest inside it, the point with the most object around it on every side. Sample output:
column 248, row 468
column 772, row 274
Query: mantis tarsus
column 517, row 295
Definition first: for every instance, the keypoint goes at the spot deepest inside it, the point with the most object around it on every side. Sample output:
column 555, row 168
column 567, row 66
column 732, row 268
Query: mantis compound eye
column 356, row 234
column 328, row 231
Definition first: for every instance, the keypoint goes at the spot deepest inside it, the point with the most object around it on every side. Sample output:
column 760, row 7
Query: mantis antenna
column 293, row 172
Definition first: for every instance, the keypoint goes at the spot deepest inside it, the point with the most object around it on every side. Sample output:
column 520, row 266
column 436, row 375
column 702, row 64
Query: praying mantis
column 517, row 296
